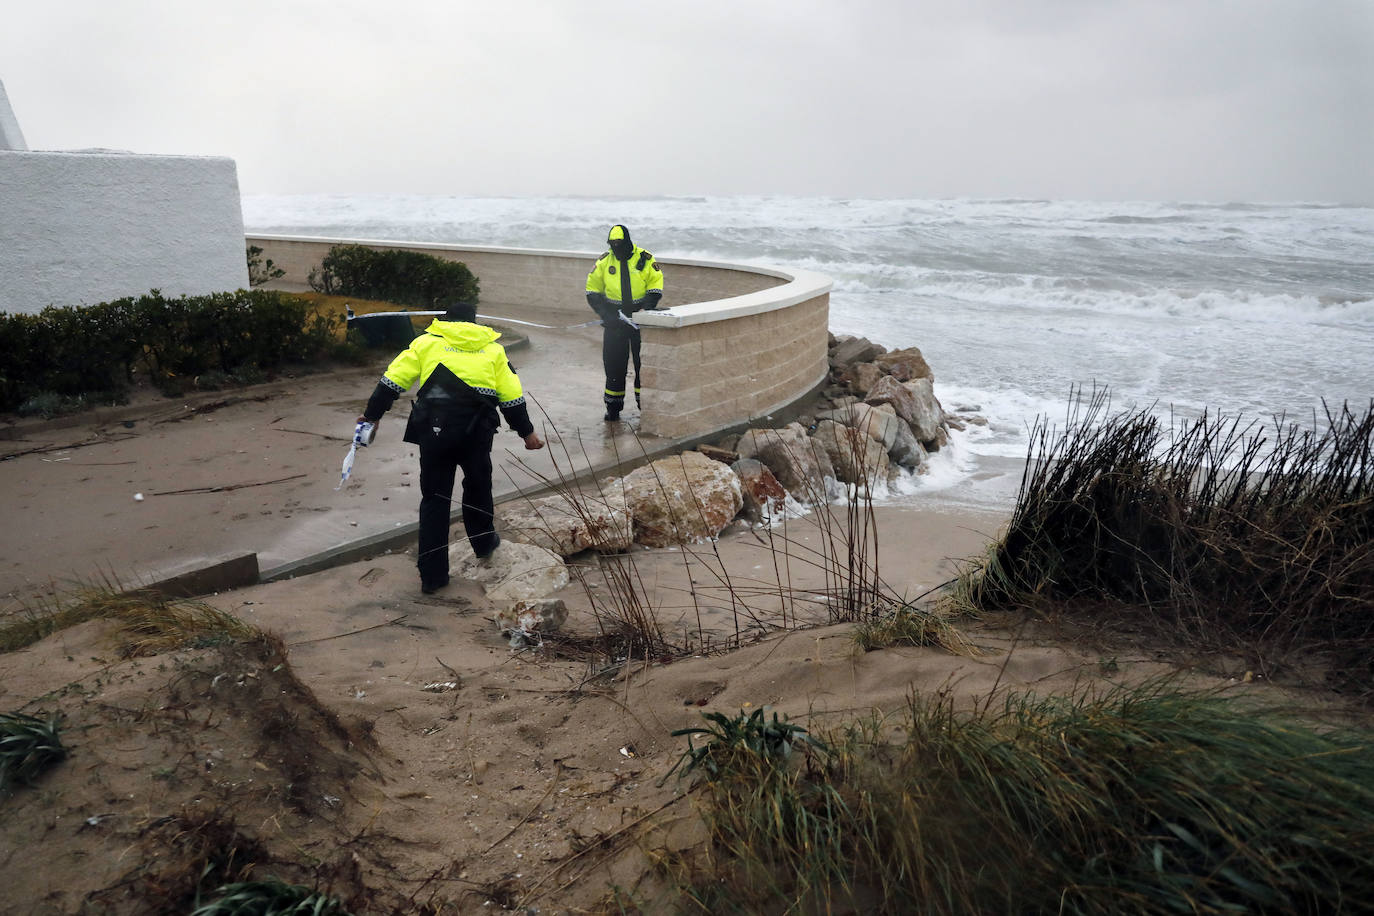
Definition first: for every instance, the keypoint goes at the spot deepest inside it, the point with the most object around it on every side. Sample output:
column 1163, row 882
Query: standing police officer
column 464, row 379
column 624, row 280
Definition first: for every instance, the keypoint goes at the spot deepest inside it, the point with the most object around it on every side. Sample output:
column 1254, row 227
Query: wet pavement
column 162, row 486
column 560, row 370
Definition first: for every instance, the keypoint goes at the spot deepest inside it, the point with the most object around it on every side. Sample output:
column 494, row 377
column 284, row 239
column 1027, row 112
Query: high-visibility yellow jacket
column 628, row 285
column 463, row 374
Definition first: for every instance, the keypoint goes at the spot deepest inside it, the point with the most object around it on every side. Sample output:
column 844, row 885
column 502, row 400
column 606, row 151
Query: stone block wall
column 718, row 374
column 734, row 344
column 528, row 277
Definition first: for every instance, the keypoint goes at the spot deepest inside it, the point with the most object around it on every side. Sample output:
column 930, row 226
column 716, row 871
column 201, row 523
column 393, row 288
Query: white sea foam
column 1073, row 294
column 1176, row 307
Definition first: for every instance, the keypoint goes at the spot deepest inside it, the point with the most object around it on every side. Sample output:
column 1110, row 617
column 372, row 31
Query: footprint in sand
column 700, row 693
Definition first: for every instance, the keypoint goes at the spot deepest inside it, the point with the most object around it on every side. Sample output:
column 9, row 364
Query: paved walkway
column 562, row 376
column 253, row 471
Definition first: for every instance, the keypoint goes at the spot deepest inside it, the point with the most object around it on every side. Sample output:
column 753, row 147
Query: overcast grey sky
column 1104, row 99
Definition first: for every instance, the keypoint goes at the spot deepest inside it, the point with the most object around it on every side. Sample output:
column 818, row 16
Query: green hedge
column 96, row 351
column 394, row 275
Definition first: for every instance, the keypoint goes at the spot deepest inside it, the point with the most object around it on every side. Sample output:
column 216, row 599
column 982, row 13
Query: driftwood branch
column 306, row 432
column 376, row 626
column 226, row 487
column 40, row 449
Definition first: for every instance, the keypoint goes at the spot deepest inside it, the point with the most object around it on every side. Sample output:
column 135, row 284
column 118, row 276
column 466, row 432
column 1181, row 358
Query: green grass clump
column 1139, row 800
column 748, row 736
column 270, row 898
column 28, row 746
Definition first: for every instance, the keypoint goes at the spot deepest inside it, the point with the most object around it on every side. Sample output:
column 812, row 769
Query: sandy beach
column 388, row 740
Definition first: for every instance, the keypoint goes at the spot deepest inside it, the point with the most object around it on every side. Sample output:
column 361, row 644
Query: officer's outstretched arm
column 383, row 396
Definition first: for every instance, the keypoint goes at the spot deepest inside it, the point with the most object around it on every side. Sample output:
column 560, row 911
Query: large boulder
column 856, row 456
column 849, row 350
column 802, row 467
column 683, row 499
column 607, row 526
column 905, row 365
column 906, row 450
column 764, row 496
column 927, row 412
column 888, row 390
column 884, row 427
column 513, row 572
column 860, row 377
column 571, row 523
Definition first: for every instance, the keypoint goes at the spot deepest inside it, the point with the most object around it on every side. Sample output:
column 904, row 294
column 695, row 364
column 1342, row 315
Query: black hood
column 621, row 244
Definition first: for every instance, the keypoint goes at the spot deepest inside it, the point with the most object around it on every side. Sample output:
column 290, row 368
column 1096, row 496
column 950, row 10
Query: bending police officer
column 464, row 379
column 624, row 280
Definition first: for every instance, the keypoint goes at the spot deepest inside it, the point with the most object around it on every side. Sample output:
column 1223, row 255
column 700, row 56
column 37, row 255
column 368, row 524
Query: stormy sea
column 1247, row 309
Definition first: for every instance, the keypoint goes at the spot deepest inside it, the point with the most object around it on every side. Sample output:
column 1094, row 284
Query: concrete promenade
column 243, row 480
column 561, row 372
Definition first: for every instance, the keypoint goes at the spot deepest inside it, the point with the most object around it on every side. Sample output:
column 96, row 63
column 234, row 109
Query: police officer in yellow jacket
column 464, row 379
column 625, row 280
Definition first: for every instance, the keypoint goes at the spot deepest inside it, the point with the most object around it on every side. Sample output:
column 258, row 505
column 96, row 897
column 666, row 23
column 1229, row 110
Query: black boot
column 612, row 416
column 496, row 542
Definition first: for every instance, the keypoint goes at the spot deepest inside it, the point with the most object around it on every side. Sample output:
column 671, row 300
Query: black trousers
column 439, row 464
column 619, row 344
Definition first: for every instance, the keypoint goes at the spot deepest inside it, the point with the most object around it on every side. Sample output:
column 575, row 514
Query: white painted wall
column 77, row 228
column 11, row 137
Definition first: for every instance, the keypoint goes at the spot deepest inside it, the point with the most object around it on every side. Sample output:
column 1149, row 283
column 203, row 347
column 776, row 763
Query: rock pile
column 877, row 417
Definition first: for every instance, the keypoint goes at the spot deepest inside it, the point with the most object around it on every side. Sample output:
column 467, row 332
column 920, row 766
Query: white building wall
column 11, row 137
column 77, row 228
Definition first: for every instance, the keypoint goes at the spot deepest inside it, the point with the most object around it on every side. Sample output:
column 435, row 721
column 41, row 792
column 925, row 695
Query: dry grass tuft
column 914, row 626
column 1218, row 533
column 148, row 623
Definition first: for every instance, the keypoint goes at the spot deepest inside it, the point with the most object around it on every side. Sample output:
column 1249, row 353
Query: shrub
column 260, row 271
column 49, row 404
column 394, row 275
column 1217, row 532
column 66, row 351
column 63, row 355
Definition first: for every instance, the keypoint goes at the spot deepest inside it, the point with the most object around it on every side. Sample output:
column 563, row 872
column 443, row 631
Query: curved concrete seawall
column 731, row 344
